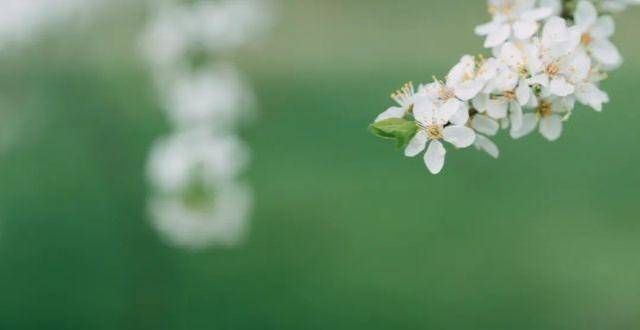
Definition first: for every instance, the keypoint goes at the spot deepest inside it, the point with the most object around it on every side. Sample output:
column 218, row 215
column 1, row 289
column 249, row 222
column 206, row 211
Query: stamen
column 523, row 71
column 434, row 132
column 510, row 95
column 446, row 93
column 586, row 39
column 545, row 109
column 404, row 94
column 552, row 69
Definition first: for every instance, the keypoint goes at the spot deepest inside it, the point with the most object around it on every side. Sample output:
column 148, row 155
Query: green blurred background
column 346, row 233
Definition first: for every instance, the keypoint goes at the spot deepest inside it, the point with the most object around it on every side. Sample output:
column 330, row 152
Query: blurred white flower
column 212, row 97
column 174, row 160
column 21, row 19
column 217, row 219
column 209, row 26
column 198, row 199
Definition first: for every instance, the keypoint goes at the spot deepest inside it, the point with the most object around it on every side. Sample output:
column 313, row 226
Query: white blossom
column 563, row 65
column 208, row 26
column 465, row 80
column 213, row 96
column 512, row 19
column 594, row 32
column 220, row 219
column 434, row 127
column 548, row 118
column 174, row 159
column 405, row 98
column 199, row 198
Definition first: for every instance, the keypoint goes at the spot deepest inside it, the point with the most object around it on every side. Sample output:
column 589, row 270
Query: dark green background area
column 346, row 233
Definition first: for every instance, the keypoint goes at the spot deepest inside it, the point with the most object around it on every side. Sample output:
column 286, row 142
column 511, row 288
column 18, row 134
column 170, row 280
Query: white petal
column 486, row 145
column 560, row 87
column 523, row 92
column 424, row 111
column 461, row 117
column 469, row 89
column 485, row 125
column 511, row 55
column 554, row 5
column 459, row 136
column 498, row 36
column 533, row 103
column 529, row 122
column 591, row 95
column 585, row 14
column 515, row 115
column 579, row 67
column 504, row 123
column 524, row 29
column 555, row 31
column 448, row 110
column 485, row 29
column 393, row 112
column 541, row 79
column 497, row 108
column 551, row 127
column 532, row 58
column 537, row 14
column 434, row 157
column 466, row 66
column 488, row 69
column 417, row 144
column 563, row 104
column 480, row 102
column 505, row 80
column 606, row 53
column 604, row 28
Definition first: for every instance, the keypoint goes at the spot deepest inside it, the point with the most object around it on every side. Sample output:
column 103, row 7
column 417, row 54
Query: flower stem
column 568, row 8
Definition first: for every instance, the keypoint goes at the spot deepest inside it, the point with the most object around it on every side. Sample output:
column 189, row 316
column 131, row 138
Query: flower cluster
column 199, row 198
column 548, row 55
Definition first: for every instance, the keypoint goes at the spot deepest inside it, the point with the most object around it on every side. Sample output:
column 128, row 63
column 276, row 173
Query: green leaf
column 399, row 129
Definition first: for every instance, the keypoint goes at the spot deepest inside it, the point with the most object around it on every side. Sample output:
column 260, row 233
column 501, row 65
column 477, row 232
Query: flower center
column 586, row 39
column 523, row 71
column 468, row 76
column 446, row 93
column 434, row 132
column 552, row 69
column 545, row 109
column 510, row 95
